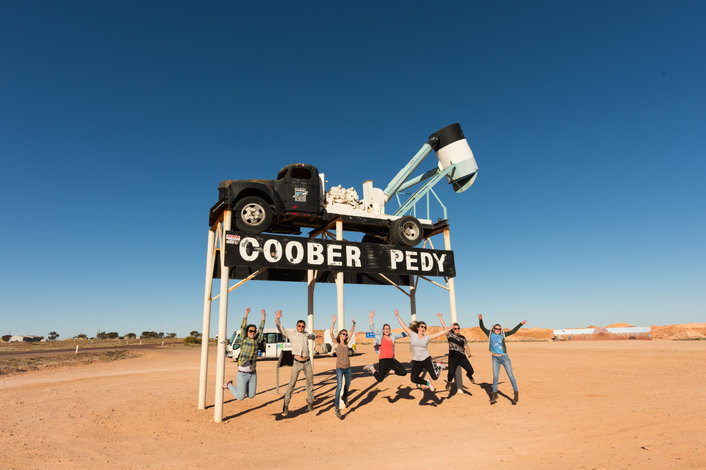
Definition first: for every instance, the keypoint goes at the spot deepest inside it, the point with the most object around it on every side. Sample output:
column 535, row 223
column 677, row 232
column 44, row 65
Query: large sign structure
column 286, row 253
column 387, row 254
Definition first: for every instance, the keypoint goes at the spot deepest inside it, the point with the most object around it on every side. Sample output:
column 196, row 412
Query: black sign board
column 298, row 253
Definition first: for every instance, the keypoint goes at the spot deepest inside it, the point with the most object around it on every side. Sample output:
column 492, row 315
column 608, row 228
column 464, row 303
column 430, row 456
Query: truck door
column 301, row 190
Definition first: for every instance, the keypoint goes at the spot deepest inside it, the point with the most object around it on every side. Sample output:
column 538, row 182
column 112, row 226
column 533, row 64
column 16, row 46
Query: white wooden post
column 413, row 300
column 203, row 373
column 311, row 283
column 339, row 282
column 452, row 302
column 450, row 282
column 222, row 324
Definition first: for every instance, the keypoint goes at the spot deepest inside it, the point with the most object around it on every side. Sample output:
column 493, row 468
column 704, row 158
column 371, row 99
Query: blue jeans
column 339, row 379
column 243, row 383
column 505, row 361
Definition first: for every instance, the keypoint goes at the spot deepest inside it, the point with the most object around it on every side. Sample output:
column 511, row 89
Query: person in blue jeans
column 498, row 351
column 246, row 378
column 343, row 366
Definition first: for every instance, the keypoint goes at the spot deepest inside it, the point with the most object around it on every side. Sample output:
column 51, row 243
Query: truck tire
column 406, row 231
column 252, row 214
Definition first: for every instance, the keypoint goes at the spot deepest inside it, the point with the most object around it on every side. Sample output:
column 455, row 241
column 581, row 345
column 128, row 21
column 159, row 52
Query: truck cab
column 301, row 188
column 268, row 205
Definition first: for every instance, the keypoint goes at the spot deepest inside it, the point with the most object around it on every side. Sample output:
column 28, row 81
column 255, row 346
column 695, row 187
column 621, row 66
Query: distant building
column 26, row 338
column 591, row 334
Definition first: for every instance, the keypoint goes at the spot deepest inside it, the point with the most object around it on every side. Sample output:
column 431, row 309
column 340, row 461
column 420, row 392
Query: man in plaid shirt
column 246, row 378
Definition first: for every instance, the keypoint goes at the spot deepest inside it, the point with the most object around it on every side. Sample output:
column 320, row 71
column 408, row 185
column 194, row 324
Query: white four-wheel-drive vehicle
column 271, row 344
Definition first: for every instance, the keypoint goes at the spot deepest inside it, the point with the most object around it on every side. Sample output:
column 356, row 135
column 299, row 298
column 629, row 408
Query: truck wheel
column 406, row 231
column 252, row 214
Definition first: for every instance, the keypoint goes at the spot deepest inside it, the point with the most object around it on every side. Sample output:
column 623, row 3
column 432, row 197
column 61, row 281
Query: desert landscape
column 587, row 404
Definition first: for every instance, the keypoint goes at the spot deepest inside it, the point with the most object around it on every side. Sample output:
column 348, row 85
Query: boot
column 285, row 410
column 516, row 398
column 493, row 398
column 338, row 414
column 310, row 407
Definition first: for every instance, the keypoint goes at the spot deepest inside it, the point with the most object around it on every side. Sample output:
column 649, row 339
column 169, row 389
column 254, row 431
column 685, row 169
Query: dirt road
column 54, row 352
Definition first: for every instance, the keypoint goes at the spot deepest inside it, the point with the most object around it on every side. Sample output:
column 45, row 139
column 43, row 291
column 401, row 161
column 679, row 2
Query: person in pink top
column 385, row 347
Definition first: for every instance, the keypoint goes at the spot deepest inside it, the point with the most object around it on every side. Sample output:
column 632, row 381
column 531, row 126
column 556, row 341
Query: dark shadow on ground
column 352, row 400
column 488, row 389
column 430, row 399
column 454, row 390
column 403, row 393
column 325, row 388
column 371, row 394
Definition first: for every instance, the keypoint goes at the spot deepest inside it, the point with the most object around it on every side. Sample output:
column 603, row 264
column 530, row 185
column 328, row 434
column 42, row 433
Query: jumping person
column 458, row 350
column 302, row 361
column 246, row 378
column 343, row 365
column 498, row 351
column 385, row 347
column 419, row 342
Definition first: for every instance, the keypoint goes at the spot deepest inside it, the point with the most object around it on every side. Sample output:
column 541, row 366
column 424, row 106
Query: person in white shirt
column 302, row 360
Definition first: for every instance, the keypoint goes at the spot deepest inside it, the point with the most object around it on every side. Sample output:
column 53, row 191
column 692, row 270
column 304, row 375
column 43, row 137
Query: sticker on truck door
column 300, row 194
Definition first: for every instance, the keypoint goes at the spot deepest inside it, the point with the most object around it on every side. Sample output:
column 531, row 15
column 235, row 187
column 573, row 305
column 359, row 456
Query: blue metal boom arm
column 402, row 180
column 394, row 186
column 435, row 177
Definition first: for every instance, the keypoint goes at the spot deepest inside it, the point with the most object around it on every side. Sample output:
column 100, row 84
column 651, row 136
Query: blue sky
column 118, row 120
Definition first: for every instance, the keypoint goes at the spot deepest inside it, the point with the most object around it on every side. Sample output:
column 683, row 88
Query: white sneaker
column 431, row 387
column 369, row 368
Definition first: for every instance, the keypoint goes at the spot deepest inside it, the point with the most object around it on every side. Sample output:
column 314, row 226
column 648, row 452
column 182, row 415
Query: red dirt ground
column 602, row 404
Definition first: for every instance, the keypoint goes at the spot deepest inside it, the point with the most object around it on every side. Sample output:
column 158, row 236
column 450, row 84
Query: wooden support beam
column 324, row 228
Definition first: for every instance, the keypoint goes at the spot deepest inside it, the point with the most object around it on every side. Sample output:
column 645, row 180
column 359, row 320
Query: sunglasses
column 496, row 329
column 300, row 326
column 344, row 334
column 252, row 331
column 423, row 326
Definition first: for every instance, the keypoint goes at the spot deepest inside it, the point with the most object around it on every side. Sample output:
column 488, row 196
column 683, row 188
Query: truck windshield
column 301, row 173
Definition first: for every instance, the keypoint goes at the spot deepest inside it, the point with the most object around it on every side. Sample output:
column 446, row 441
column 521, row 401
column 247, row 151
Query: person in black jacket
column 498, row 351
column 458, row 350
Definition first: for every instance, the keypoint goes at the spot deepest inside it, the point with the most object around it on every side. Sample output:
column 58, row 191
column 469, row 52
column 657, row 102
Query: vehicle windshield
column 301, row 173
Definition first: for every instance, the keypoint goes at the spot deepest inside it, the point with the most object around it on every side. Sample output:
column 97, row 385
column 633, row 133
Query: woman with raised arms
column 498, row 352
column 459, row 352
column 343, row 365
column 385, row 347
column 246, row 378
column 421, row 358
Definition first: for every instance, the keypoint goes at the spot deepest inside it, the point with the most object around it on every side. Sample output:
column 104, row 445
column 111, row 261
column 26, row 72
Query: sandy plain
column 600, row 404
